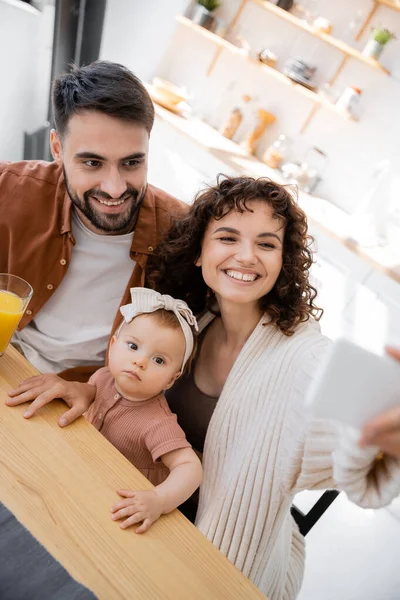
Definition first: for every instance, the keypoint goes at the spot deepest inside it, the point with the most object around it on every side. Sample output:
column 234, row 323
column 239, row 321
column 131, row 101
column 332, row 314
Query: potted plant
column 203, row 16
column 380, row 37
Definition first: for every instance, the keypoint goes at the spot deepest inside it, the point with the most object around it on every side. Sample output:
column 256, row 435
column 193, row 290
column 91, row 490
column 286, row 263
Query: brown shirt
column 142, row 431
column 193, row 408
column 36, row 240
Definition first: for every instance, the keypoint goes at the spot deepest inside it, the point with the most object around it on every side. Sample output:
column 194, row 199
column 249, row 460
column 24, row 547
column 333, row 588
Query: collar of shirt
column 118, row 397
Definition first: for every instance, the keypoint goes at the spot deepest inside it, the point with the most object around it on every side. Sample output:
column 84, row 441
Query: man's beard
column 109, row 223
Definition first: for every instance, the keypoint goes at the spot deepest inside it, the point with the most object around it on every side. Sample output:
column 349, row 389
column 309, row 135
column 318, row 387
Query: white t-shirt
column 74, row 326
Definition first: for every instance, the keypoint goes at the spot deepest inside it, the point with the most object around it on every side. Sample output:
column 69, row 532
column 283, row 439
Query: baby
column 147, row 354
column 149, row 351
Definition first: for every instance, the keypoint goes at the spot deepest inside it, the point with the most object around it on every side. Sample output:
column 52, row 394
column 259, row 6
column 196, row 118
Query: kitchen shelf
column 390, row 4
column 218, row 40
column 332, row 41
column 321, row 213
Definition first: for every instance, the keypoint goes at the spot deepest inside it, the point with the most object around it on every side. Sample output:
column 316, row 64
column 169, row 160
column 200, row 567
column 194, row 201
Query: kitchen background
column 354, row 210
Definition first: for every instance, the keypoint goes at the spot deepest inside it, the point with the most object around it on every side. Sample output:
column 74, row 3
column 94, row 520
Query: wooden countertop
column 60, row 484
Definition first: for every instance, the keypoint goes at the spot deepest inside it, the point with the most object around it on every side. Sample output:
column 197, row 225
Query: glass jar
column 235, row 118
column 349, row 99
column 312, row 167
column 276, row 154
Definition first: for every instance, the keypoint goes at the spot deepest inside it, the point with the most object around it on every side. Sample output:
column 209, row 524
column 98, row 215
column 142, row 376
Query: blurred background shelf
column 224, row 44
column 329, row 39
column 321, row 213
column 390, row 4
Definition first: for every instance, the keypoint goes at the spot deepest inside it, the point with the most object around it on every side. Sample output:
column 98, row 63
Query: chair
column 307, row 521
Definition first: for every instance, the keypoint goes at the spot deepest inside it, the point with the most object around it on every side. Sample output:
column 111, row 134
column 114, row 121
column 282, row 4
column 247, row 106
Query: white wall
column 25, row 62
column 18, row 28
column 44, row 51
column 136, row 33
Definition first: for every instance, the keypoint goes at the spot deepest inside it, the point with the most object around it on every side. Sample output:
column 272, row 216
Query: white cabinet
column 337, row 274
column 376, row 308
column 360, row 302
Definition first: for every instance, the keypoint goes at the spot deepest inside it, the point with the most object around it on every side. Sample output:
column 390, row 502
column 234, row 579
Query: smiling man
column 80, row 229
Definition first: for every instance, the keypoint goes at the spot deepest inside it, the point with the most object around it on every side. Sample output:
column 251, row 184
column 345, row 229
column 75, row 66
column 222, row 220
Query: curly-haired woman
column 241, row 258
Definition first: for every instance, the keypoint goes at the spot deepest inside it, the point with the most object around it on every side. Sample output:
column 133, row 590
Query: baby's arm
column 185, row 477
column 146, row 507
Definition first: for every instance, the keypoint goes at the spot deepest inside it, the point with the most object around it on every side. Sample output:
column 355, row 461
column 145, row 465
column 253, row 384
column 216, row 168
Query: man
column 80, row 229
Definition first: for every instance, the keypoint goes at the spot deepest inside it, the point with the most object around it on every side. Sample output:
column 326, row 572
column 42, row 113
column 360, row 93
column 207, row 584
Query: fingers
column 393, row 352
column 27, row 384
column 29, row 395
column 123, row 503
column 70, row 416
column 24, row 393
column 384, row 430
column 41, row 389
column 126, row 493
column 20, row 397
column 38, row 390
column 389, row 443
column 132, row 519
column 147, row 523
column 41, row 400
column 124, row 509
column 39, row 382
column 383, row 424
column 133, row 511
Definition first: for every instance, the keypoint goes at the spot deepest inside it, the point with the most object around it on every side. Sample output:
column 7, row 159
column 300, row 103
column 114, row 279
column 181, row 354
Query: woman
column 241, row 258
column 243, row 253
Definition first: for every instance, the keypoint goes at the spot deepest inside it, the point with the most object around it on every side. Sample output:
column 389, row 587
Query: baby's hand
column 140, row 507
column 43, row 389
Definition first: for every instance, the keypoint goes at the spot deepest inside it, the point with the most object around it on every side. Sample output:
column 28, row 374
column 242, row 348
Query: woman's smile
column 241, row 255
column 241, row 276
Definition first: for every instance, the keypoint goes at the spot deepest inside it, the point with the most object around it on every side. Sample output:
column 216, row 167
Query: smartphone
column 354, row 385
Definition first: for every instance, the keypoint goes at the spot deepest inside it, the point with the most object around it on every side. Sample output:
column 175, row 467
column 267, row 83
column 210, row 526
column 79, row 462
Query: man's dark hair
column 102, row 86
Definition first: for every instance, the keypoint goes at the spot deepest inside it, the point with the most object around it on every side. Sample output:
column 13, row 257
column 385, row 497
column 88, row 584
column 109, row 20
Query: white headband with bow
column 148, row 301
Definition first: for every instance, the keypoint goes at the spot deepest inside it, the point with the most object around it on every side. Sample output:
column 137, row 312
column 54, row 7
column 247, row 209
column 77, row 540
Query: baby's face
column 146, row 357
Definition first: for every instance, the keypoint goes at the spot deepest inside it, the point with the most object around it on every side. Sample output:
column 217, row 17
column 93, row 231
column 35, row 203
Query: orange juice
column 11, row 311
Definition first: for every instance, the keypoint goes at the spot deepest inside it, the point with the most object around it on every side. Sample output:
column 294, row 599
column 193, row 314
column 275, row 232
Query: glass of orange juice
column 15, row 294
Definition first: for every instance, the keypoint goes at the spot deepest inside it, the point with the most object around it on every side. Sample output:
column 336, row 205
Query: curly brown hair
column 172, row 269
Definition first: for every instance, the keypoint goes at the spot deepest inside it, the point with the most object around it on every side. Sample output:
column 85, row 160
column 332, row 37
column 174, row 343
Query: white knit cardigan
column 260, row 451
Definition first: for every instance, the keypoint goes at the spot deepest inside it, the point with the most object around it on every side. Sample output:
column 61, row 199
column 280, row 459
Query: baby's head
column 151, row 348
